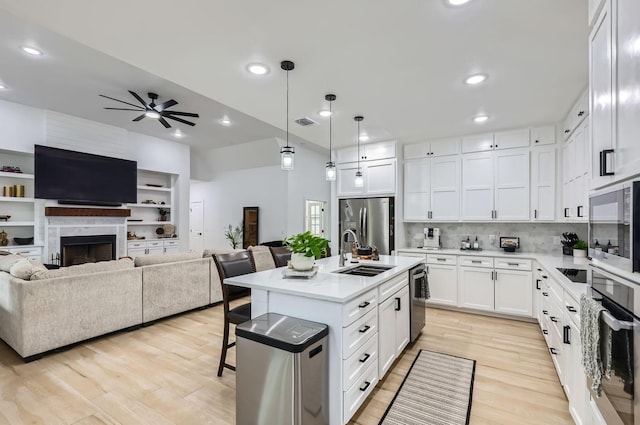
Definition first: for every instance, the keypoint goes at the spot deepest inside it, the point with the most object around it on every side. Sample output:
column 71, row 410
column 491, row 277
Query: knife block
column 567, row 250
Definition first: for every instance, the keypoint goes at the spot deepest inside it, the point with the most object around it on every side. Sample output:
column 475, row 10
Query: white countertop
column 549, row 262
column 326, row 285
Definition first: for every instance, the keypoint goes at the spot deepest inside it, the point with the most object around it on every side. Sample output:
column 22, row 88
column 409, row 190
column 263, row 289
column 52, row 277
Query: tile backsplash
column 534, row 237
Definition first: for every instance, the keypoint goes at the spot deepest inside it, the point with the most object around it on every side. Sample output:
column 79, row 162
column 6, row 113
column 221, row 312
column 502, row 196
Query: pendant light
column 330, row 168
column 359, row 180
column 287, row 152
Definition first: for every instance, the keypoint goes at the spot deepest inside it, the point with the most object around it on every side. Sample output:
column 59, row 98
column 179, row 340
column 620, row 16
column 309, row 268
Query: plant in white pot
column 305, row 248
column 580, row 249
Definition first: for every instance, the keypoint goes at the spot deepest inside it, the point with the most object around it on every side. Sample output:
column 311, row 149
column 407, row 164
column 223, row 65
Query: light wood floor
column 166, row 374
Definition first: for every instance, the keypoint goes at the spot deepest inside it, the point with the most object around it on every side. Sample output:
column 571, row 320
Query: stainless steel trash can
column 281, row 371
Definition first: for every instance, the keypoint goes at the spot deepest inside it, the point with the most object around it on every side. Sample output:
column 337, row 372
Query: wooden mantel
column 86, row 212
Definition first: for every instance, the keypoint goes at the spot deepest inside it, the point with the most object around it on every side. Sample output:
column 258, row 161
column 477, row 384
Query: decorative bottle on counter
column 476, row 244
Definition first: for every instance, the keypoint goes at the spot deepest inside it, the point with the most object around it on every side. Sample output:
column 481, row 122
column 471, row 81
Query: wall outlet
column 556, row 240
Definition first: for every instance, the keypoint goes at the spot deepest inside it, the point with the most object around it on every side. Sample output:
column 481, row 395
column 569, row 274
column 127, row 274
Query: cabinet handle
column 431, row 153
column 546, row 332
column 537, row 141
column 553, row 351
column 554, row 319
column 364, row 304
column 363, row 330
column 566, row 131
column 475, row 261
column 496, row 146
column 566, row 334
column 444, row 259
column 365, row 386
column 427, row 269
column 491, row 146
column 397, row 304
column 539, row 269
column 581, row 113
column 538, row 284
column 571, row 308
column 579, row 211
column 546, row 294
column 545, row 312
column 365, row 358
column 513, row 264
column 566, row 212
column 603, row 162
column 495, row 275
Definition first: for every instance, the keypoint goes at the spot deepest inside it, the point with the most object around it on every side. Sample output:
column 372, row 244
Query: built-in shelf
column 148, row 223
column 154, row 189
column 15, row 199
column 16, row 175
column 86, row 212
column 149, row 205
column 16, row 223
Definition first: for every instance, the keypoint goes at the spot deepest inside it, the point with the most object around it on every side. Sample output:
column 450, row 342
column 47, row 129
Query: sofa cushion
column 262, row 258
column 87, row 268
column 25, row 268
column 209, row 252
column 7, row 261
column 148, row 260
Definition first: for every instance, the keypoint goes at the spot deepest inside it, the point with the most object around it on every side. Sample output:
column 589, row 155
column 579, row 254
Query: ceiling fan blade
column 139, row 118
column 168, row 104
column 184, row 114
column 126, row 109
column 180, row 120
column 121, row 101
column 164, row 122
column 134, row 94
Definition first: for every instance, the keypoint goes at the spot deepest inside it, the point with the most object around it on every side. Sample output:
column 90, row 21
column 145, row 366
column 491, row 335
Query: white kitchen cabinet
column 577, row 114
column 393, row 328
column 477, row 143
column 576, row 380
column 575, row 193
column 495, row 185
column 513, row 292
column 31, row 252
column 476, row 288
column 379, row 178
column 443, row 284
column 543, row 135
column 543, row 183
column 137, row 248
column 171, row 246
column 345, row 179
column 368, row 152
column 431, row 189
column 511, row 139
column 432, row 148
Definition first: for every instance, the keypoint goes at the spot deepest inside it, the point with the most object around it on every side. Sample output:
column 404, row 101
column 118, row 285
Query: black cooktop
column 574, row 275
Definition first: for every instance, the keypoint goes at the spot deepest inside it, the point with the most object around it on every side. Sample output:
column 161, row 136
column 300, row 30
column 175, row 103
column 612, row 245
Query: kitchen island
column 368, row 319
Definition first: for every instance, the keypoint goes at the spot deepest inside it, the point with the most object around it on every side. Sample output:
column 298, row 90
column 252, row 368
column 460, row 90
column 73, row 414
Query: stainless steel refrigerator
column 372, row 221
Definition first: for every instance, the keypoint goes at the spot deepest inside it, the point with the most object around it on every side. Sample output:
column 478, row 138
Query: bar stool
column 281, row 255
column 230, row 265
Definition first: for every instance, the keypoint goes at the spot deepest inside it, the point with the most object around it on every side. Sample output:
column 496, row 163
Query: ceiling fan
column 153, row 111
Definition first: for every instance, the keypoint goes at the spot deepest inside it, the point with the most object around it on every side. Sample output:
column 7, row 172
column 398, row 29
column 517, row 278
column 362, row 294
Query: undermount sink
column 365, row 270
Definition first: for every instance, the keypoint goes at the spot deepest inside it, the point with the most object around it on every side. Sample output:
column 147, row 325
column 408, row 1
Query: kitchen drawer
column 392, row 286
column 174, row 242
column 451, row 260
column 410, row 254
column 556, row 291
column 152, row 244
column 356, row 334
column 354, row 366
column 136, row 245
column 572, row 309
column 476, row 261
column 360, row 306
column 359, row 391
column 31, row 253
column 512, row 264
column 556, row 316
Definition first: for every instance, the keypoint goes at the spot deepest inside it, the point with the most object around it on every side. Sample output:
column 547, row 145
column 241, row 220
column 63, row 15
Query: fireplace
column 87, row 249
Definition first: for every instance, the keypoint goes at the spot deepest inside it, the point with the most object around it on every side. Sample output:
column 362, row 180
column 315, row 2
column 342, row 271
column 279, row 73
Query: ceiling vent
column 306, row 121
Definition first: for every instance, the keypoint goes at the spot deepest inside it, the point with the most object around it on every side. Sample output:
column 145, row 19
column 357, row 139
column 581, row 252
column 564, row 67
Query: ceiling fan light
column 330, row 171
column 152, row 114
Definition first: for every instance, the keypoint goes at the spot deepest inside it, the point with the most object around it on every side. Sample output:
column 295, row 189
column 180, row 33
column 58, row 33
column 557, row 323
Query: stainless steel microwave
column 614, row 227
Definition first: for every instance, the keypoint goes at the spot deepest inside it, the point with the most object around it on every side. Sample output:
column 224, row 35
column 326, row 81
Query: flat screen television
column 82, row 178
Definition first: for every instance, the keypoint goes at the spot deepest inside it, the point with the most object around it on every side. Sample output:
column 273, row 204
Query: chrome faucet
column 343, row 254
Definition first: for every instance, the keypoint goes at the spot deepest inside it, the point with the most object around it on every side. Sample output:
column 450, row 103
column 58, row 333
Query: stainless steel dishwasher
column 281, row 371
column 419, row 289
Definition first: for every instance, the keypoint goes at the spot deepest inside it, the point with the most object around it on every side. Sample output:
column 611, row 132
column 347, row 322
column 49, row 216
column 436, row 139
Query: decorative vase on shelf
column 302, row 263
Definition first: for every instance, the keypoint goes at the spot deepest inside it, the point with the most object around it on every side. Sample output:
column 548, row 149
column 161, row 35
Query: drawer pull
column 553, row 351
column 546, row 294
column 571, row 308
column 476, row 261
column 363, row 330
column 364, row 358
column 441, row 259
column 364, row 304
column 545, row 312
column 566, row 334
column 546, row 332
column 554, row 319
column 397, row 304
column 538, row 284
column 365, row 386
column 513, row 264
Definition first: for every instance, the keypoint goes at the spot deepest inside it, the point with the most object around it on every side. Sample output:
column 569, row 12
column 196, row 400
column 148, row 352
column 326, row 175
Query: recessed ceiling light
column 457, row 2
column 31, row 50
column 475, row 79
column 152, row 114
column 364, row 137
column 178, row 134
column 257, row 68
column 325, row 113
column 481, row 118
column 225, row 121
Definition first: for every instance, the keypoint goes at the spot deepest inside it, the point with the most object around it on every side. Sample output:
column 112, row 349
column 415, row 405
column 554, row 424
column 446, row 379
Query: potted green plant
column 234, row 236
column 305, row 248
column 580, row 249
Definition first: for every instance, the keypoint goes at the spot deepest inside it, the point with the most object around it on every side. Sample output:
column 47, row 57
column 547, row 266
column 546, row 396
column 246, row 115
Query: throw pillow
column 7, row 261
column 25, row 268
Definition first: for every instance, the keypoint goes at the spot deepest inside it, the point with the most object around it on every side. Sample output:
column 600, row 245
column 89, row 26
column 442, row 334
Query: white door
column 543, row 184
column 512, row 184
column 417, row 186
column 380, row 177
column 476, row 288
column 196, row 226
column 445, row 188
column 513, row 292
column 601, row 96
column 443, row 284
column 477, row 186
column 403, row 319
column 386, row 335
column 345, row 179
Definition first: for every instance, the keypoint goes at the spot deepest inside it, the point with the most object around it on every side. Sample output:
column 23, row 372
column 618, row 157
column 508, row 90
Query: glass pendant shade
column 286, row 157
column 330, row 171
column 359, row 180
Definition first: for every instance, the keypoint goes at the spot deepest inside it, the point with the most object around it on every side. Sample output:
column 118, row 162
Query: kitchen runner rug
column 436, row 391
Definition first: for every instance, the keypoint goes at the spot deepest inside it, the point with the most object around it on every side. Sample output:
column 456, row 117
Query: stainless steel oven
column 614, row 227
column 620, row 399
